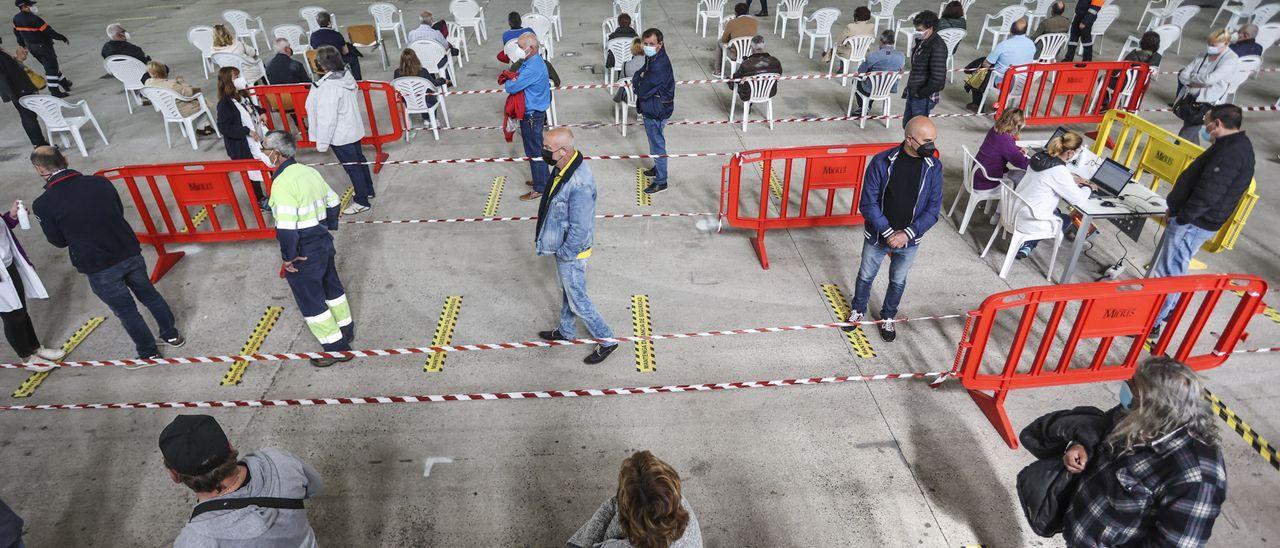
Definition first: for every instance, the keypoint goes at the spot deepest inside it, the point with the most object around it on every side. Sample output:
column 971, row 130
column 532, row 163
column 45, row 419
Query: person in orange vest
column 1082, row 29
column 37, row 37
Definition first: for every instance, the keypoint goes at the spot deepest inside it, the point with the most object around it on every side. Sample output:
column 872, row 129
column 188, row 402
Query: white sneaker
column 854, row 317
column 38, row 364
column 51, row 354
column 354, row 209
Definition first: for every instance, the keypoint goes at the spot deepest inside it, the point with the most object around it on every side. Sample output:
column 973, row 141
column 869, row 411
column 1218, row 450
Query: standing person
column 764, row 8
column 1015, row 50
column 646, row 510
column 1082, row 30
column 1047, row 183
column 928, row 68
column 326, row 36
column 1158, row 478
column 84, row 213
column 15, row 84
column 37, row 36
column 283, row 68
column 534, row 83
column 242, row 124
column 119, row 44
column 901, row 197
column 306, row 210
column 1205, row 82
column 257, row 501
column 1204, row 196
column 337, row 124
column 655, row 88
column 565, row 229
column 20, row 282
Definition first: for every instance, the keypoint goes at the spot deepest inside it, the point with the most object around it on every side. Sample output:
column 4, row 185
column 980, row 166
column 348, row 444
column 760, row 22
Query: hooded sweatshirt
column 272, row 473
column 1047, row 182
column 334, row 110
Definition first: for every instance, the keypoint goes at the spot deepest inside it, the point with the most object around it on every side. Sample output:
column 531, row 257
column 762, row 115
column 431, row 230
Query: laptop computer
column 1057, row 133
column 1111, row 178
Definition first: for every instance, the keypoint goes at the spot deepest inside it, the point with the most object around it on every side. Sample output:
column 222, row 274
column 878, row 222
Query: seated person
column 1146, row 53
column 225, row 42
column 759, row 62
column 1246, row 41
column 741, row 26
column 630, row 67
column 861, row 26
column 1056, row 23
column 624, row 30
column 411, row 65
column 952, row 17
column 326, row 36
column 119, row 44
column 1000, row 149
column 283, row 68
column 427, row 31
column 885, row 59
column 1049, row 181
column 517, row 27
column 1015, row 50
column 647, row 510
column 158, row 77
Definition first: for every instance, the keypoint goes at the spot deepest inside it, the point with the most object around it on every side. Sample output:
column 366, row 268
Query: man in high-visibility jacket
column 37, row 37
column 306, row 209
column 1082, row 29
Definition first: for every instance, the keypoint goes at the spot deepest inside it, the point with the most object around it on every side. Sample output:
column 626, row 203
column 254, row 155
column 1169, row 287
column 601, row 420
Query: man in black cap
column 37, row 37
column 257, row 501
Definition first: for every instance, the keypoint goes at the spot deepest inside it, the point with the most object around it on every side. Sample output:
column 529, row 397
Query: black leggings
column 17, row 324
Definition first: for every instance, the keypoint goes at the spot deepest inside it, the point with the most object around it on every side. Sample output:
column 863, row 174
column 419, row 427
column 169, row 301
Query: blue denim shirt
column 570, row 223
column 534, row 82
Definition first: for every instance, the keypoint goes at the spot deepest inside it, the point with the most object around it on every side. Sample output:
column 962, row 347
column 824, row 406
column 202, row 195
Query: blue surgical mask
column 1126, row 396
column 1205, row 137
column 650, row 51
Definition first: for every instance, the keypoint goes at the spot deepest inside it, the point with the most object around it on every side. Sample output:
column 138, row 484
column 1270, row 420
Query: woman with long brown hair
column 242, row 125
column 647, row 512
column 1000, row 150
column 226, row 42
column 411, row 65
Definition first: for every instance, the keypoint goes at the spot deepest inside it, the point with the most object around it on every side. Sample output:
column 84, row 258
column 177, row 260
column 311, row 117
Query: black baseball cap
column 194, row 444
column 20, row 3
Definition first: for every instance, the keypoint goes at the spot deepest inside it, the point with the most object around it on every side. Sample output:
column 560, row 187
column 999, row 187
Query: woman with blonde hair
column 1048, row 181
column 1000, row 149
column 1205, row 83
column 158, row 77
column 647, row 511
column 224, row 41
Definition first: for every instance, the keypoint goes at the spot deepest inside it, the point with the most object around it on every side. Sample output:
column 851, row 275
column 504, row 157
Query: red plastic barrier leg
column 378, row 158
column 993, row 408
column 757, row 243
column 164, row 261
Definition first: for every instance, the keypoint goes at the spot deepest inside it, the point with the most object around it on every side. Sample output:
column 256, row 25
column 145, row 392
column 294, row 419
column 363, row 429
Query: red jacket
column 513, row 111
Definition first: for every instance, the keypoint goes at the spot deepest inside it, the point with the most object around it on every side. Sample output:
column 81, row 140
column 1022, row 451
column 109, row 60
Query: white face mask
column 35, row 9
column 127, row 36
column 919, row 35
column 1213, row 50
column 650, row 51
column 240, row 83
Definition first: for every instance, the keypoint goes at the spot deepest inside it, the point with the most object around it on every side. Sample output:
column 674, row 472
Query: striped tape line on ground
column 1241, row 428
column 438, row 398
column 464, row 347
column 520, row 218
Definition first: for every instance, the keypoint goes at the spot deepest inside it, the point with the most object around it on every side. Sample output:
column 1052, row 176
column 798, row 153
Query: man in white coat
column 19, row 283
column 334, row 108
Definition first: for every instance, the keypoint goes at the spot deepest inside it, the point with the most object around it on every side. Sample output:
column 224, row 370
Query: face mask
column 35, row 9
column 239, row 82
column 650, row 51
column 919, row 35
column 1205, row 136
column 1213, row 50
column 549, row 157
column 127, row 36
column 926, row 150
column 1126, row 396
column 514, row 52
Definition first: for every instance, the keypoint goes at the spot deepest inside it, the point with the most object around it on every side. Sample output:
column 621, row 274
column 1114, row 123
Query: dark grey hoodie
column 272, row 473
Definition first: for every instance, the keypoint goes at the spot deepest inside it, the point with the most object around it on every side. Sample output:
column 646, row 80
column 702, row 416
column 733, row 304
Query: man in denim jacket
column 566, row 223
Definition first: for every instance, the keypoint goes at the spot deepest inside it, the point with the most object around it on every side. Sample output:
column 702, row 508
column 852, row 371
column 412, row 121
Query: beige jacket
column 864, row 28
column 187, row 108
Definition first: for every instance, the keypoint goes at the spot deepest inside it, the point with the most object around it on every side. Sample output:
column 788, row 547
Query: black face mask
column 926, row 150
column 549, row 157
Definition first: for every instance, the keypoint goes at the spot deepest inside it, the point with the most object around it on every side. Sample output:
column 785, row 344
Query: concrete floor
column 882, row 463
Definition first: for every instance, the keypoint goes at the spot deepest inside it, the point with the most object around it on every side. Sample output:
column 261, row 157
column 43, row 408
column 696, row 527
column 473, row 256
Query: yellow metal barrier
column 1150, row 149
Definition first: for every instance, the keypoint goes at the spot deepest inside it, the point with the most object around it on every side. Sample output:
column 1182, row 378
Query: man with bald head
column 533, row 81
column 566, row 223
column 901, row 197
column 1246, row 42
column 1015, row 50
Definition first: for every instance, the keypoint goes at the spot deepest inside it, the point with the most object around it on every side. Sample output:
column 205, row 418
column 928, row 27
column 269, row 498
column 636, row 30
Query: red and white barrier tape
column 439, row 398
column 526, row 159
column 463, row 347
column 524, row 218
column 1250, row 351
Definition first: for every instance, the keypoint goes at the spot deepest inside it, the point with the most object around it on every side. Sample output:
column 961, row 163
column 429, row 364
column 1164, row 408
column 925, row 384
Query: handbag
column 36, row 78
column 1189, row 110
column 977, row 79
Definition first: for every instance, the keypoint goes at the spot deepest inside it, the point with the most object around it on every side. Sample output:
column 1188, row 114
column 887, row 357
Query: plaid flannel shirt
column 1167, row 493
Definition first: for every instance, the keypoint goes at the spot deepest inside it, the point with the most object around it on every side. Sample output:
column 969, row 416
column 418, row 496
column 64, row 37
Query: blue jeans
column 114, row 286
column 531, row 127
column 1180, row 245
column 657, row 145
column 917, row 106
column 899, row 265
column 361, row 180
column 575, row 302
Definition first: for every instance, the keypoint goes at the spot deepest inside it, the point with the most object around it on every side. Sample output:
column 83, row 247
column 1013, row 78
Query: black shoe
column 887, row 332
column 326, row 362
column 67, row 84
column 174, row 342
column 1155, row 331
column 599, row 354
column 553, row 335
column 651, row 172
column 762, row 14
column 654, row 188
column 155, row 356
column 854, row 317
column 59, row 93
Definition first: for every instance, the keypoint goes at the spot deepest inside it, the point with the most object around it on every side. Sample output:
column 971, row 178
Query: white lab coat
column 9, row 300
column 1042, row 191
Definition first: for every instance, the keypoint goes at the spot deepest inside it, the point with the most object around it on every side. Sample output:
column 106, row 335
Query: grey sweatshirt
column 272, row 473
column 604, row 530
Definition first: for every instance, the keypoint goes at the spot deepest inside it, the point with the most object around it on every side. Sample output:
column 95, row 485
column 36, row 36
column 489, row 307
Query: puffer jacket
column 928, row 68
column 1045, row 487
column 334, row 109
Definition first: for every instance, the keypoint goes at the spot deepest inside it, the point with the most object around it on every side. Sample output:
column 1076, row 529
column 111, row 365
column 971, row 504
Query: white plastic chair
column 1005, row 18
column 880, row 88
column 430, row 53
column 630, row 7
column 788, row 10
column 905, row 28
column 761, row 85
column 735, row 51
column 1233, row 7
column 545, row 31
column 885, row 13
column 1050, row 45
column 552, row 118
column 606, row 28
column 1037, row 14
column 388, row 17
column 976, row 197
column 1130, row 82
column 623, row 109
column 822, row 20
column 414, row 91
column 202, row 38
column 1158, row 10
column 621, row 49
column 705, row 11
column 129, row 72
column 1011, row 203
column 551, row 10
column 964, row 4
column 1243, row 11
column 858, row 48
column 240, row 22
column 1106, row 16
column 1267, row 35
column 1249, row 64
column 294, row 34
column 1264, row 13
column 458, row 40
column 1178, row 20
column 49, row 109
column 469, row 15
column 251, row 69
column 1015, row 91
column 166, row 103
column 308, row 15
column 952, row 38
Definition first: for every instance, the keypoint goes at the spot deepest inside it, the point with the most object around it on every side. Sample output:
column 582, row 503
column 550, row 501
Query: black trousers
column 31, row 124
column 17, row 324
column 1081, row 37
column 49, row 60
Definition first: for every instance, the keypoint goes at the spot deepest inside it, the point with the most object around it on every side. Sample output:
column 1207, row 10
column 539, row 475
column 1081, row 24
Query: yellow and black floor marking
column 641, row 326
column 346, row 199
column 444, row 332
column 28, row 387
column 775, row 185
column 1255, row 440
column 198, row 219
column 1271, row 313
column 236, row 373
column 642, row 199
column 495, row 195
column 840, row 307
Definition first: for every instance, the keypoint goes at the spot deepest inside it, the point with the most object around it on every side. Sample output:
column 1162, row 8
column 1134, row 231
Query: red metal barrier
column 1098, row 313
column 825, row 169
column 1073, row 93
column 178, row 188
column 286, row 107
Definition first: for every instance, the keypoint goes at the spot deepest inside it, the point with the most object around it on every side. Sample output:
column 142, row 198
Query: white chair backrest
column 49, row 108
column 464, row 10
column 414, row 90
column 971, row 167
column 308, row 15
column 1248, row 65
column 1185, row 14
column 1264, row 13
column 1130, row 80
column 625, row 85
column 711, row 6
column 887, row 7
column 1050, row 45
column 761, row 85
column 547, row 8
column 625, row 6
column 1247, row 6
column 1267, row 34
column 1168, row 35
column 621, row 48
column 202, row 38
column 430, row 53
column 292, row 33
column 880, row 84
column 228, row 59
column 1041, row 9
column 384, row 15
column 1106, row 16
column 239, row 20
column 1010, row 204
column 952, row 38
column 795, row 8
column 165, row 101
column 741, row 48
column 608, row 26
column 541, row 25
column 859, row 46
column 1009, row 14
column 127, row 70
column 823, row 19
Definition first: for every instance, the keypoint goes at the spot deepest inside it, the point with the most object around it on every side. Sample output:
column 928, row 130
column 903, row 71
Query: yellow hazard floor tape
column 840, row 307
column 28, row 387
column 642, row 326
column 444, row 332
column 196, row 220
column 495, row 195
column 775, row 185
column 260, row 331
column 1255, row 440
column 642, row 199
column 346, row 199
